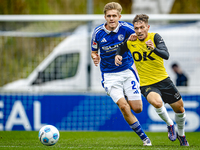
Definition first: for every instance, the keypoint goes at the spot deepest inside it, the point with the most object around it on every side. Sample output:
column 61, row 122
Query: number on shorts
column 133, row 83
column 134, row 87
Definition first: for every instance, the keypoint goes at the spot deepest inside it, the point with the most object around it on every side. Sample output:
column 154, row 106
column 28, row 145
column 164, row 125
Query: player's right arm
column 94, row 47
column 95, row 57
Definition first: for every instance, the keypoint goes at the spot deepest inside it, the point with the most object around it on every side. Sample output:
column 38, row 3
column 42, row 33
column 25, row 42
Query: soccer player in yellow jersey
column 148, row 52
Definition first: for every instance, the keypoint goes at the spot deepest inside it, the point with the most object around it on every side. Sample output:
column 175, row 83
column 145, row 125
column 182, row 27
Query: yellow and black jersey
column 149, row 63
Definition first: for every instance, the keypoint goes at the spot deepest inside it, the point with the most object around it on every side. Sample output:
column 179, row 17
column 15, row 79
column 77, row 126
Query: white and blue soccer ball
column 49, row 135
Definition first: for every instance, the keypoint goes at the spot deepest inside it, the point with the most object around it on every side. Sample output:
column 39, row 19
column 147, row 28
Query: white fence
column 25, row 36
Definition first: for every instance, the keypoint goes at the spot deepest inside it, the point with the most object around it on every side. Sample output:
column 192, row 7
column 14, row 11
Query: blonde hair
column 112, row 5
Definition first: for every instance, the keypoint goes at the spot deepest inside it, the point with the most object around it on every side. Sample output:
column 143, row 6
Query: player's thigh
column 116, row 93
column 170, row 93
column 155, row 99
column 113, row 85
column 123, row 104
column 132, row 87
column 153, row 95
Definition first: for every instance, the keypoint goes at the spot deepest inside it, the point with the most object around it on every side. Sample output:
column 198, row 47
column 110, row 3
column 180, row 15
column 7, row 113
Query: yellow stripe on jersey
column 150, row 66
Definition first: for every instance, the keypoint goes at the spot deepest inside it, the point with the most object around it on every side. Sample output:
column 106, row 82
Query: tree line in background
column 80, row 6
column 17, row 60
column 57, row 6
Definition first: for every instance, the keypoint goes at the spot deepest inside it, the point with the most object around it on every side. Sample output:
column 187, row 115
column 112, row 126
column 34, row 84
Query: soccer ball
column 49, row 135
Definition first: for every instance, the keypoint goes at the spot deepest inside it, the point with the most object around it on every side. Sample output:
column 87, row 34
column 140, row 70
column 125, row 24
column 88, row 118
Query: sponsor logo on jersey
column 111, row 48
column 137, row 56
column 94, row 45
column 120, row 37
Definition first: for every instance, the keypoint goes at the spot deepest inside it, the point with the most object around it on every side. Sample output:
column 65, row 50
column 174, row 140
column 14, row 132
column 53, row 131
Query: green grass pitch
column 25, row 140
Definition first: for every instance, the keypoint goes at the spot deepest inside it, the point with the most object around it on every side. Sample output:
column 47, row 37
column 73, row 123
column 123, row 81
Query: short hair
column 112, row 5
column 174, row 65
column 142, row 17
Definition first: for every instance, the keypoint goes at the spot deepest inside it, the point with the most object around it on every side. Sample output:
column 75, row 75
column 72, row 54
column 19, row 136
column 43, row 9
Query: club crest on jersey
column 94, row 45
column 120, row 37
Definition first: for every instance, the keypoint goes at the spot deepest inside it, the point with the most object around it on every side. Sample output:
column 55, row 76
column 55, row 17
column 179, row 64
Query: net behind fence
column 47, row 76
column 26, row 45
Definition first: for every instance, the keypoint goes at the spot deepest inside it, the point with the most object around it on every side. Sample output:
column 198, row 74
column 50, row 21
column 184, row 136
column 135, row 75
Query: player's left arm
column 161, row 49
column 120, row 51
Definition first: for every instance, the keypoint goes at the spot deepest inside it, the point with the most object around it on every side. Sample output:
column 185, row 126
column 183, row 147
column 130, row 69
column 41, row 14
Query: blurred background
column 46, row 73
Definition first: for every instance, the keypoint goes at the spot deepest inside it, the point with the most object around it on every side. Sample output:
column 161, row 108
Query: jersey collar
column 108, row 31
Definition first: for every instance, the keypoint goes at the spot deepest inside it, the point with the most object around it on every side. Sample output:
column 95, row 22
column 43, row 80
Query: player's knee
column 124, row 107
column 136, row 105
column 137, row 109
column 157, row 104
column 155, row 99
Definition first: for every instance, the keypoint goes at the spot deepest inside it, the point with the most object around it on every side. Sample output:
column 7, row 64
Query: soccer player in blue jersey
column 122, row 80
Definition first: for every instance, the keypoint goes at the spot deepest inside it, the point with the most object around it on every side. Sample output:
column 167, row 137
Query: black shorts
column 165, row 88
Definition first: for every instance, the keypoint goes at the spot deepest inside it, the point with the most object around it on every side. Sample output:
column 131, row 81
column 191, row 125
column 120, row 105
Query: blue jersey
column 107, row 42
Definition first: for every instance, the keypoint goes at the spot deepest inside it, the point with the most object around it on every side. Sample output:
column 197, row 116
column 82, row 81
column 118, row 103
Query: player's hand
column 132, row 37
column 150, row 45
column 96, row 59
column 118, row 60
